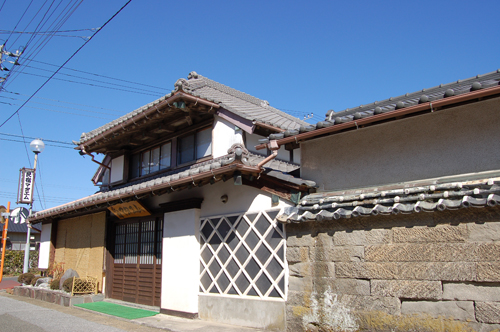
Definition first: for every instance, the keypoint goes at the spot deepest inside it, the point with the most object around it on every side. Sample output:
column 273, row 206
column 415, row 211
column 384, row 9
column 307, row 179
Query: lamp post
column 36, row 146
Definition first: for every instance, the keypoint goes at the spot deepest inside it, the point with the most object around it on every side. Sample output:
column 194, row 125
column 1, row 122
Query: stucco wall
column 240, row 198
column 464, row 139
column 80, row 244
column 375, row 273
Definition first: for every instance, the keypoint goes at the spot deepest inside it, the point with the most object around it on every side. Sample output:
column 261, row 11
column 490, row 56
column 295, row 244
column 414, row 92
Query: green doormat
column 117, row 310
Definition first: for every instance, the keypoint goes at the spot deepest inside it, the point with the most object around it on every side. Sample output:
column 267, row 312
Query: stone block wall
column 439, row 269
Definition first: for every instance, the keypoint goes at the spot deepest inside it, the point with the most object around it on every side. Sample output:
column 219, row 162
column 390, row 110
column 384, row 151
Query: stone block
column 346, row 254
column 324, row 270
column 482, row 327
column 388, row 305
column 488, row 312
column 409, row 289
column 366, row 270
column 488, row 271
column 300, row 284
column 424, row 234
column 300, row 270
column 298, row 298
column 346, row 286
column 362, row 237
column 297, row 254
column 324, row 240
column 471, row 292
column 459, row 310
column 489, row 231
column 433, row 252
column 305, row 240
column 455, row 271
column 487, row 252
column 444, row 271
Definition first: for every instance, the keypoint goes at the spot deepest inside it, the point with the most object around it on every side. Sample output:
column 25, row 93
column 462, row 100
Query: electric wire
column 13, row 140
column 94, row 80
column 153, row 93
column 56, row 111
column 71, row 57
column 41, row 44
column 67, row 107
column 43, row 139
column 112, row 78
column 67, row 102
column 25, row 11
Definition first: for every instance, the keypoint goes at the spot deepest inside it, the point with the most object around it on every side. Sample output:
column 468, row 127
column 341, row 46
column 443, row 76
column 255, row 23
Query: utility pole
column 14, row 56
column 36, row 146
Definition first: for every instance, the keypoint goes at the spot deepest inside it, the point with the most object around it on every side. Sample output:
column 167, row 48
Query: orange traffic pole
column 4, row 240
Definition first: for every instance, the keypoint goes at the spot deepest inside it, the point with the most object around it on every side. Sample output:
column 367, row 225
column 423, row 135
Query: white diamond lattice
column 243, row 255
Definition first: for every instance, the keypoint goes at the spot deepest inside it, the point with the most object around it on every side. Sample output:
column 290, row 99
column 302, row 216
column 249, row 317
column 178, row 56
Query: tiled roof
column 178, row 177
column 240, row 103
column 431, row 95
column 428, row 198
column 22, row 228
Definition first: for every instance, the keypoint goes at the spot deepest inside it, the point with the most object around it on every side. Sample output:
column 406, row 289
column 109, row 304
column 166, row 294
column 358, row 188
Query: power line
column 71, row 108
column 43, row 139
column 43, row 42
column 66, row 102
column 56, row 111
column 71, row 57
column 153, row 93
column 12, row 140
column 112, row 78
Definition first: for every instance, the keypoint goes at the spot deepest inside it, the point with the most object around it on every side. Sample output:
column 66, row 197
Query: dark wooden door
column 137, row 261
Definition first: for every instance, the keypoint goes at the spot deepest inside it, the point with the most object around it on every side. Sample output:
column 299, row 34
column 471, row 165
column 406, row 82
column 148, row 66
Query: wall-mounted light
column 238, row 180
column 179, row 104
column 224, row 199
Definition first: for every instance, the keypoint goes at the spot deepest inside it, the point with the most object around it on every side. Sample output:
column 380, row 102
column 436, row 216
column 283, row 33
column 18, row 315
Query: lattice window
column 139, row 242
column 243, row 255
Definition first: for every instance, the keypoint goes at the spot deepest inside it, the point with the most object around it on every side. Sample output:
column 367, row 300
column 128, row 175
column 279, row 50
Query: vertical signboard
column 26, row 182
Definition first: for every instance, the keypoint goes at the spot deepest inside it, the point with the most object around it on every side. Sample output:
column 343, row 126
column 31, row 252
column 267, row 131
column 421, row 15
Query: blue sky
column 303, row 57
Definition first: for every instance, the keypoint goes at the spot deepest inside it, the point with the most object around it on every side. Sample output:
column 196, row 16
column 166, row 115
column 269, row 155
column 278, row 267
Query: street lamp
column 36, row 146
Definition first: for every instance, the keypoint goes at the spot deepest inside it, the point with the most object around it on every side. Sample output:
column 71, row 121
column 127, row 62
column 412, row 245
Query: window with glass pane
column 145, row 163
column 203, row 143
column 135, row 166
column 165, row 155
column 154, row 165
column 186, row 149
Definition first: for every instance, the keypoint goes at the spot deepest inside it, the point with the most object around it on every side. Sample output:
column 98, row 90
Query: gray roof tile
column 240, row 103
column 429, row 198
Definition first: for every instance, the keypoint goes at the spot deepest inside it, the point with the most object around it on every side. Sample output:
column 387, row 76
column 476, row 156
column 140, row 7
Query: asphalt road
column 20, row 315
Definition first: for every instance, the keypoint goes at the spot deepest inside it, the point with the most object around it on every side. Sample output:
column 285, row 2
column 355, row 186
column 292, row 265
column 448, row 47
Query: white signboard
column 19, row 215
column 26, row 182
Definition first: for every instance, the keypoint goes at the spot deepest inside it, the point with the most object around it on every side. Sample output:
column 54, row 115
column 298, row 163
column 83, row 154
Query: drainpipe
column 273, row 146
column 82, row 152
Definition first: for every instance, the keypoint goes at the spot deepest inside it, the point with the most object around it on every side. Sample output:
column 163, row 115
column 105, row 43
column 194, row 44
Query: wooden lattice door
column 137, row 261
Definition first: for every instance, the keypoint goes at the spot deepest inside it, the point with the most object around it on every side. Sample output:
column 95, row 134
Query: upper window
column 194, row 146
column 189, row 148
column 151, row 161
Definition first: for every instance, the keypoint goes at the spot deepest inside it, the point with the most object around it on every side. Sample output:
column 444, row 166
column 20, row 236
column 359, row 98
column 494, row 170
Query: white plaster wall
column 252, row 140
column 241, row 199
column 117, row 169
column 44, row 252
column 465, row 139
column 224, row 135
column 181, row 261
column 283, row 154
column 296, row 156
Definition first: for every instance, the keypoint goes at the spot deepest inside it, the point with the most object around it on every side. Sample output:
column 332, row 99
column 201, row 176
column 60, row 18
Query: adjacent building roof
column 424, row 100
column 222, row 96
column 375, row 201
column 22, row 228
